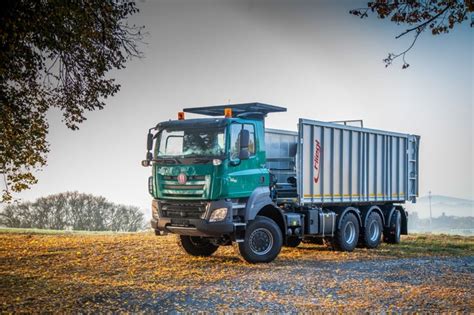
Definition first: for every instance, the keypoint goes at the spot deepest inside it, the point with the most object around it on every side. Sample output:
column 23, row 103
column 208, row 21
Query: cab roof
column 238, row 110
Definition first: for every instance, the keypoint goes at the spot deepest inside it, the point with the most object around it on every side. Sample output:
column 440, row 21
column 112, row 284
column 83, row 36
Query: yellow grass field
column 140, row 272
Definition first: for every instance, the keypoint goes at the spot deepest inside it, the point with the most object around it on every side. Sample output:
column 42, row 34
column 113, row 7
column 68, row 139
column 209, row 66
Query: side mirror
column 147, row 161
column 244, row 144
column 149, row 142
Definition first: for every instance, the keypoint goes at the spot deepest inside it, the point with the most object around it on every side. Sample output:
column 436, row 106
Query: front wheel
column 262, row 242
column 196, row 246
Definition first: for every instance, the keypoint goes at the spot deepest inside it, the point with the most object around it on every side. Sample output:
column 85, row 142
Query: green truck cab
column 212, row 186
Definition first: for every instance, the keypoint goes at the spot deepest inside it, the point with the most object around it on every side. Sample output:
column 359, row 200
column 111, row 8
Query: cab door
column 244, row 175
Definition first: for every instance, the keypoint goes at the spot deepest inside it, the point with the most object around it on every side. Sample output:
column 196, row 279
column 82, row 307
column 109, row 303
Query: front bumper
column 194, row 226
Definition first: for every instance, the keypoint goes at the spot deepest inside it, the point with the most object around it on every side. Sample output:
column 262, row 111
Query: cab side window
column 251, row 130
column 235, row 139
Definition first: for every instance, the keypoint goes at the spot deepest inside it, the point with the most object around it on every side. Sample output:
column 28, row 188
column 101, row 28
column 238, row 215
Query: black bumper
column 194, row 226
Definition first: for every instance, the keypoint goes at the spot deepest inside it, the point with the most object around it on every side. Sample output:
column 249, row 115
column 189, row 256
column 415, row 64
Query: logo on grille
column 182, row 179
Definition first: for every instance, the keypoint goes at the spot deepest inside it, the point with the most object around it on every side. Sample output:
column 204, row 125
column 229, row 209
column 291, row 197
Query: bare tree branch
column 440, row 16
column 422, row 25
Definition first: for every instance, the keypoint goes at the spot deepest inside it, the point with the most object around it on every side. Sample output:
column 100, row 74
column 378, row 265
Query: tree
column 72, row 210
column 55, row 54
column 439, row 16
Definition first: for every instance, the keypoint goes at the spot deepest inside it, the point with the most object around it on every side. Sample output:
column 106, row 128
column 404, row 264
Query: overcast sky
column 311, row 57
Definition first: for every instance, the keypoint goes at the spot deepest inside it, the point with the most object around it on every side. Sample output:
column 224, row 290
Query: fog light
column 216, row 162
column 218, row 215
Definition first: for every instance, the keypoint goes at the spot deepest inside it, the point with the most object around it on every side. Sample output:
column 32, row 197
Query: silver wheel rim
column 374, row 231
column 261, row 241
column 349, row 233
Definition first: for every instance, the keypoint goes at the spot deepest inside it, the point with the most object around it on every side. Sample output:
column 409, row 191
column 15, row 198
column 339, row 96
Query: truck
column 226, row 179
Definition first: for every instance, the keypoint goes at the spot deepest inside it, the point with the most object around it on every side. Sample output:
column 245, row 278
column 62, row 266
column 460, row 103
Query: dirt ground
column 144, row 273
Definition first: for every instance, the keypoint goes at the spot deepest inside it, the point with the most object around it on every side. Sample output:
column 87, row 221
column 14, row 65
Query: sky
column 312, row 57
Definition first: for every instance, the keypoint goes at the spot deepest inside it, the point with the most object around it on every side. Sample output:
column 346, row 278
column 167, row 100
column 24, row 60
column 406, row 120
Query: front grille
column 184, row 187
column 182, row 209
column 195, row 186
column 194, row 177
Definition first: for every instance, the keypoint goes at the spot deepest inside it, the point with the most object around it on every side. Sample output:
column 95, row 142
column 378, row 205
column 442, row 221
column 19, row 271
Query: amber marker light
column 228, row 113
column 180, row 115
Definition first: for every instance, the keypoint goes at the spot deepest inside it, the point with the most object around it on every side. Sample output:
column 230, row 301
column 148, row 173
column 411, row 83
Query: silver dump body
column 338, row 164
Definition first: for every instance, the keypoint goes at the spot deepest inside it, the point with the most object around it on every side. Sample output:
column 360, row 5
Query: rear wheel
column 262, row 242
column 372, row 233
column 392, row 233
column 196, row 246
column 347, row 236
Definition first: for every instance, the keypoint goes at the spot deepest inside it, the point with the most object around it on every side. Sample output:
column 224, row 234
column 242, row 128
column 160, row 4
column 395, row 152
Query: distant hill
column 451, row 206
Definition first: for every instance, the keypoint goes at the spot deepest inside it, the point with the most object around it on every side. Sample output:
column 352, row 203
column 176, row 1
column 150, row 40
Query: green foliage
column 73, row 211
column 439, row 16
column 55, row 54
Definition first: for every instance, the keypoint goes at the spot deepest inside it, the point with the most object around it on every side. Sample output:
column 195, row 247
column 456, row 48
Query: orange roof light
column 180, row 115
column 228, row 112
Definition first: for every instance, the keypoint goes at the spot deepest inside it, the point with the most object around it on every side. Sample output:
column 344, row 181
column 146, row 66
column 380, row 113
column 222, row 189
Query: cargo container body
column 336, row 164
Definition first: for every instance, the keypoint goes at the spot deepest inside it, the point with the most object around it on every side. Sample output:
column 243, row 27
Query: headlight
column 218, row 215
column 150, row 185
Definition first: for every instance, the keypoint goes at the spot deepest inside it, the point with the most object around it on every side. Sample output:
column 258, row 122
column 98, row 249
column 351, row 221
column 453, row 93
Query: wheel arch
column 346, row 210
column 388, row 217
column 366, row 213
column 275, row 214
column 259, row 199
column 404, row 229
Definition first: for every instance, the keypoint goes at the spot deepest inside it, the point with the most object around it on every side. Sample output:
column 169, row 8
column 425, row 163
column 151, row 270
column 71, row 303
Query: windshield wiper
column 167, row 160
column 202, row 159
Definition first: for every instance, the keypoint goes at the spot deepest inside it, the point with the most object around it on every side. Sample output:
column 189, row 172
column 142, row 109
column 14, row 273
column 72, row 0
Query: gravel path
column 399, row 284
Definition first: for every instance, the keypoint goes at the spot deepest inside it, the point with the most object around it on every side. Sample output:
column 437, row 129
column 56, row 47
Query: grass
column 417, row 245
column 56, row 271
column 45, row 231
column 413, row 245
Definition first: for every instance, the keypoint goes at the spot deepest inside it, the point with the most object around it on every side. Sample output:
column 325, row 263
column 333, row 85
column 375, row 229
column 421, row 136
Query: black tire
column 347, row 236
column 262, row 242
column 293, row 241
column 392, row 233
column 196, row 246
column 371, row 234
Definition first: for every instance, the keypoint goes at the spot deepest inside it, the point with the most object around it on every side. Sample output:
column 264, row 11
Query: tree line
column 441, row 223
column 72, row 211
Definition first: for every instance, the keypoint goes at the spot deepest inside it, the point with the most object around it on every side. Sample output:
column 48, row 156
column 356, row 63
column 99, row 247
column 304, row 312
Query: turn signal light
column 228, row 112
column 180, row 115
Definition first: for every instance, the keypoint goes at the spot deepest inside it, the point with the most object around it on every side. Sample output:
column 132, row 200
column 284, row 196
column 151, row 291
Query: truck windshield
column 191, row 142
